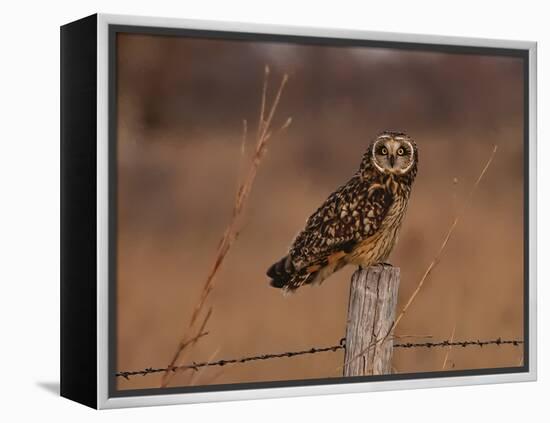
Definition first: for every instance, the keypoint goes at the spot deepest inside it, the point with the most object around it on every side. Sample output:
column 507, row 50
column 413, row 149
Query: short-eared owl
column 358, row 224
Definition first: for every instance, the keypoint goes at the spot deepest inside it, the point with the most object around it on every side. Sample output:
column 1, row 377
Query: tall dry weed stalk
column 231, row 233
column 448, row 352
column 437, row 258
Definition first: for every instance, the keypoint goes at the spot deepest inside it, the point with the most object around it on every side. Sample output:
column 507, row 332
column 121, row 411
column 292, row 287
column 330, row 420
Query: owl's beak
column 392, row 160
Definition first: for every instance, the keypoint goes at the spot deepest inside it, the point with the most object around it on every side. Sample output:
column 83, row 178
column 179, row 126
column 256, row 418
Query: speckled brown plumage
column 358, row 223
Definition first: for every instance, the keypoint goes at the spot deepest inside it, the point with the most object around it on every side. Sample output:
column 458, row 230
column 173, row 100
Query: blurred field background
column 181, row 103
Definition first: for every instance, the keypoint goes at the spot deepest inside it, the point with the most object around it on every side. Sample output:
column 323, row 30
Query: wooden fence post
column 371, row 312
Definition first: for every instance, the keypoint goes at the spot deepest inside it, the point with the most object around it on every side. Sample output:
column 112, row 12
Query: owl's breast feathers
column 339, row 231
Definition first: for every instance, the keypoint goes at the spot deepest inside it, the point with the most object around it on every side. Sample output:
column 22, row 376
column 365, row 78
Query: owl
column 359, row 223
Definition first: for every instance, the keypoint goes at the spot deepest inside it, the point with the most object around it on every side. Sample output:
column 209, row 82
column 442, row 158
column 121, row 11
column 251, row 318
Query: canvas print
column 305, row 211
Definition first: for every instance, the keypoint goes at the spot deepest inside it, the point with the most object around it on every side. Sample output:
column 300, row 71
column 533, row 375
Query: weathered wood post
column 371, row 312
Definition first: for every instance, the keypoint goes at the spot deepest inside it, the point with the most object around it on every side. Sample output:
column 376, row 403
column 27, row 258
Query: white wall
column 30, row 208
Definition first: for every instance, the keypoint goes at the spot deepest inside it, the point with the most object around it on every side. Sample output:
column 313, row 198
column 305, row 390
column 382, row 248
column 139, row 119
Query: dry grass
column 231, row 233
column 195, row 377
column 449, row 349
column 446, row 239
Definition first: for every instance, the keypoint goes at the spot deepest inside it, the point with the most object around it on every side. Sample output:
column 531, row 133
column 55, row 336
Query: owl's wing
column 351, row 214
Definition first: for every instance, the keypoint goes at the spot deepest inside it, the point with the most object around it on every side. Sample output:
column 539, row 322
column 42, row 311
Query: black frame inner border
column 114, row 29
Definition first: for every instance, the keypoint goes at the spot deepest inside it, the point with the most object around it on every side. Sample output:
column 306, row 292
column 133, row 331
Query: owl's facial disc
column 393, row 154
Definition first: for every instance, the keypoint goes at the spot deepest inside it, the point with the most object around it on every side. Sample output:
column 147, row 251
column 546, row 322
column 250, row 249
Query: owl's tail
column 281, row 272
column 284, row 275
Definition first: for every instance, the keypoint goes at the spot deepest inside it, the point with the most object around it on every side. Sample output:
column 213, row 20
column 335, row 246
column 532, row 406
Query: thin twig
column 437, row 257
column 274, row 107
column 233, row 229
column 264, row 96
column 243, row 154
column 196, row 375
column 184, row 343
column 449, row 349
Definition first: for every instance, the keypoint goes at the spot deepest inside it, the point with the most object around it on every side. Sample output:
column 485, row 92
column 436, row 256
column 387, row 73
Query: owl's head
column 392, row 153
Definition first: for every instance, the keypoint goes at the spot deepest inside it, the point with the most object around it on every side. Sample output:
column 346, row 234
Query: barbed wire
column 315, row 350
column 446, row 343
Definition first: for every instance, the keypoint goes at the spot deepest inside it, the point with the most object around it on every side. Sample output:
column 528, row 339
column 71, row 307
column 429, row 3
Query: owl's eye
column 400, row 152
column 384, row 151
